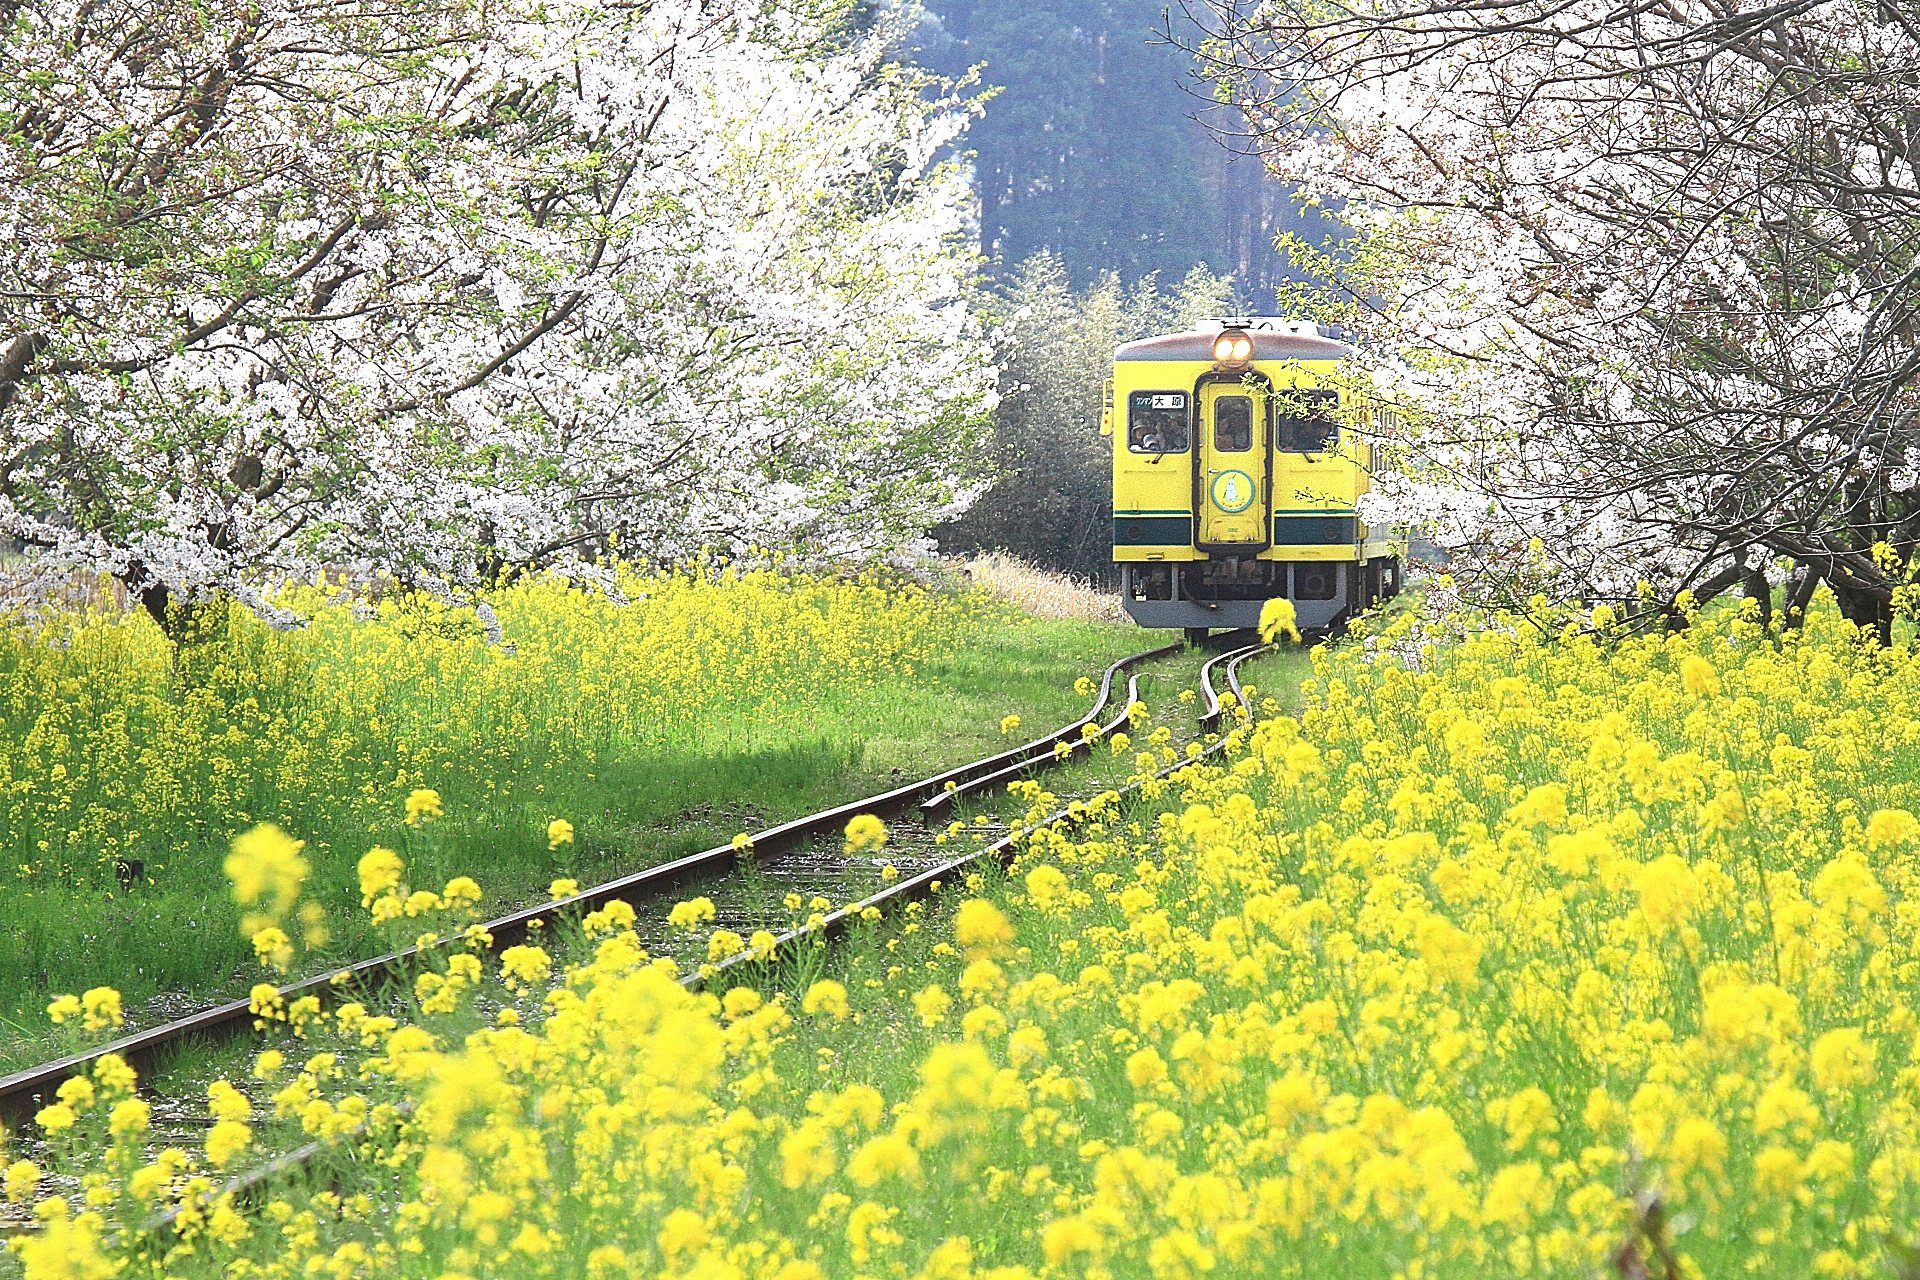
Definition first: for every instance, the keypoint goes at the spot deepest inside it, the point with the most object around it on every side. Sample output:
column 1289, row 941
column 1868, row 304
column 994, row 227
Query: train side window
column 1305, row 421
column 1157, row 422
column 1233, row 424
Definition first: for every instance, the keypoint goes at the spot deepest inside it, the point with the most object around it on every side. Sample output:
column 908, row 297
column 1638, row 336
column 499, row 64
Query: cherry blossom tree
column 1644, row 276
column 439, row 290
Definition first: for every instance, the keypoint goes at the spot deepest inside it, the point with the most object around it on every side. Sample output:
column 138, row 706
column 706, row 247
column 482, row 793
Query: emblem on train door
column 1233, row 491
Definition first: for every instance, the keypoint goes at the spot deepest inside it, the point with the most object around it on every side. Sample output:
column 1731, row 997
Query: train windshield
column 1233, row 424
column 1305, row 421
column 1157, row 422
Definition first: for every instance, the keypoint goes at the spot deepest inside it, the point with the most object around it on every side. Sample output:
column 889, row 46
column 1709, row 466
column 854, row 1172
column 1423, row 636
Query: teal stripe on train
column 1152, row 530
column 1316, row 531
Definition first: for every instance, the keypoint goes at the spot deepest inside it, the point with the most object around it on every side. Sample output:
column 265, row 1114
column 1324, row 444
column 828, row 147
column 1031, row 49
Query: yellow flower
column 380, row 870
column 1451, row 954
column 113, row 1075
column 461, row 891
column 19, row 1181
column 887, row 1155
column 100, row 1009
column 226, row 1140
column 266, row 869
column 1517, row 1195
column 865, row 833
column 1889, row 827
column 129, row 1117
column 1777, row 1173
column 683, row 1232
column 1545, row 804
column 932, row 1004
column 524, row 966
column 1698, row 676
column 559, row 832
column 1046, row 886
column 618, row 914
column 1008, row 724
column 1146, row 1067
column 273, row 948
column 1699, row 1144
column 825, row 996
column 226, row 1102
column 1842, row 1059
column 77, row 1092
column 1064, row 1237
column 1279, row 618
column 1668, row 891
column 61, row 1008
column 979, row 926
column 65, row 1247
column 691, row 914
column 423, row 805
column 806, row 1154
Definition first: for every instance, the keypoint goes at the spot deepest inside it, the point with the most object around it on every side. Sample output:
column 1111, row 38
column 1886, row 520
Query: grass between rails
column 687, row 708
column 1542, row 957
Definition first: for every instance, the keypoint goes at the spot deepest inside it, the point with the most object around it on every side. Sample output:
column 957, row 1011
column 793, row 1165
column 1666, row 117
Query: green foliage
column 1052, row 504
column 708, row 705
column 1099, row 145
column 1089, row 151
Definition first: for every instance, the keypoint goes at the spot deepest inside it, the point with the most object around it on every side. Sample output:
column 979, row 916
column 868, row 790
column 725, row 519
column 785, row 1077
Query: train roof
column 1268, row 344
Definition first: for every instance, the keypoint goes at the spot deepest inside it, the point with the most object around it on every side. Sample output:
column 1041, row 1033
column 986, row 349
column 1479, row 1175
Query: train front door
column 1232, row 468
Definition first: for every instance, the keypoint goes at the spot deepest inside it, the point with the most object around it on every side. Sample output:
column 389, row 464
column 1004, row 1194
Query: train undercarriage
column 1227, row 592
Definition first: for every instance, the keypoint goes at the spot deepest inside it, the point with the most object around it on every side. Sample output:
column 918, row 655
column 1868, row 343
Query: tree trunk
column 154, row 599
column 1866, row 609
column 185, row 622
column 1758, row 588
column 1719, row 582
column 1800, row 589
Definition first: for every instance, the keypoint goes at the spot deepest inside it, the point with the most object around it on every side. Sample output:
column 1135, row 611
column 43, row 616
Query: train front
column 1237, row 473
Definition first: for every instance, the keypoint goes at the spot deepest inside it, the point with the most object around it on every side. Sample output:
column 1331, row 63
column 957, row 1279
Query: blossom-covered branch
column 432, row 290
column 1647, row 273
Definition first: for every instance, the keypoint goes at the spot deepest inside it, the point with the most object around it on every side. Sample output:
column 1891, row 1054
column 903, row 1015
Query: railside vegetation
column 661, row 713
column 1559, row 954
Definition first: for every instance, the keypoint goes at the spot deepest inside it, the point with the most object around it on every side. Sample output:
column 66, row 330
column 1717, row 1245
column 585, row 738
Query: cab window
column 1233, row 424
column 1306, row 421
column 1157, row 421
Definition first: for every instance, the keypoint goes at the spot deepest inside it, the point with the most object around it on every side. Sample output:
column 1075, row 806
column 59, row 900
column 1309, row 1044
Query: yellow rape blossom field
column 657, row 713
column 1519, row 954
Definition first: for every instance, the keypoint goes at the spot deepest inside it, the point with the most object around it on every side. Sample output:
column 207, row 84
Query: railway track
column 781, row 860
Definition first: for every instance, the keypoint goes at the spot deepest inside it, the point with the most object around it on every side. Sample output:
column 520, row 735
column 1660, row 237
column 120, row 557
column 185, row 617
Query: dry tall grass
column 1042, row 592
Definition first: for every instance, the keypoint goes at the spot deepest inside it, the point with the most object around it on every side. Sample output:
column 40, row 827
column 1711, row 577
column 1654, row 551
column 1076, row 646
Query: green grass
column 647, row 785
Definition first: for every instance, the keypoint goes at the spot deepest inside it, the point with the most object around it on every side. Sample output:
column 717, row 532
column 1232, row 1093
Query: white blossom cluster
column 1642, row 276
column 434, row 290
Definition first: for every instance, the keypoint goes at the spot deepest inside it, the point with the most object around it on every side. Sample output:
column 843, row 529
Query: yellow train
column 1237, row 474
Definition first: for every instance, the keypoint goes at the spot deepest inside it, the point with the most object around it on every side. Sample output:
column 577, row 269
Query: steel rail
column 922, row 884
column 21, row 1091
column 1233, row 673
column 931, row 806
column 1212, row 709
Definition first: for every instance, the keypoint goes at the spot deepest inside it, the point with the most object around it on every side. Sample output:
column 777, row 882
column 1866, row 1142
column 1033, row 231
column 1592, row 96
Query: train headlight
column 1232, row 348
